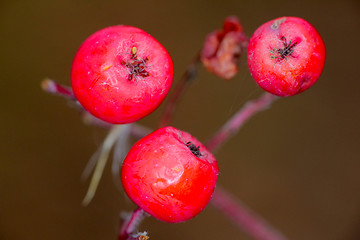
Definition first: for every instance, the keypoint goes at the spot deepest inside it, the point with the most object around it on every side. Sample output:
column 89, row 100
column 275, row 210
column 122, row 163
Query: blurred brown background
column 297, row 164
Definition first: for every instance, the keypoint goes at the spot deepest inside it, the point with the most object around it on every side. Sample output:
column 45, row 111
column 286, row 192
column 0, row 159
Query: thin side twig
column 187, row 77
column 53, row 87
column 131, row 224
column 243, row 217
column 232, row 126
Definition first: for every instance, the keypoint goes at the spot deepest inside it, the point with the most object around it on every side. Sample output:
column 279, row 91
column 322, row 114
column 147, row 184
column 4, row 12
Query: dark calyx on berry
column 282, row 53
column 136, row 65
column 195, row 150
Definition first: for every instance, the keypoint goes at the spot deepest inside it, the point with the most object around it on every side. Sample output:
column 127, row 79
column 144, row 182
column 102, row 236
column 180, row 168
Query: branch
column 187, row 77
column 232, row 126
column 130, row 225
column 53, row 87
column 243, row 217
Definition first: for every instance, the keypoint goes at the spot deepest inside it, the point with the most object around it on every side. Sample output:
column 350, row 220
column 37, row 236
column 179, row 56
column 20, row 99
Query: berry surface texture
column 286, row 56
column 170, row 175
column 121, row 74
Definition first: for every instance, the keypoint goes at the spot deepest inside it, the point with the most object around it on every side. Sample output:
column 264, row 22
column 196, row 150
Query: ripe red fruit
column 170, row 175
column 286, row 56
column 121, row 74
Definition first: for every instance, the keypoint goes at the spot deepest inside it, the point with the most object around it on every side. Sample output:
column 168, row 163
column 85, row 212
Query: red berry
column 121, row 74
column 286, row 56
column 170, row 175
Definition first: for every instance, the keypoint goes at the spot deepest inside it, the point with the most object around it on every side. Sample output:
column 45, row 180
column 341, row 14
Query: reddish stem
column 189, row 74
column 231, row 127
column 53, row 87
column 233, row 208
column 129, row 226
column 243, row 217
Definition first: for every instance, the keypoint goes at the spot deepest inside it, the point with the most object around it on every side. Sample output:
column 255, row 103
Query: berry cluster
column 121, row 74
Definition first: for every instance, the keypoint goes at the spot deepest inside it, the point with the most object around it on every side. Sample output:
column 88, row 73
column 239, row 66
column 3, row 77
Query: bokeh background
column 296, row 164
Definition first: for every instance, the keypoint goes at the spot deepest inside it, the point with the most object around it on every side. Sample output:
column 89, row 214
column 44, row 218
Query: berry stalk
column 53, row 87
column 185, row 80
column 130, row 225
column 243, row 217
column 232, row 126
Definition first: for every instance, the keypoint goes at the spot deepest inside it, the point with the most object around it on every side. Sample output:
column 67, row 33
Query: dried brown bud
column 222, row 48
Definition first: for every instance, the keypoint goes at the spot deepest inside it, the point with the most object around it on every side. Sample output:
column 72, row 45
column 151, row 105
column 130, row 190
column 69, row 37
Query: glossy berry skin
column 121, row 74
column 170, row 175
column 286, row 56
